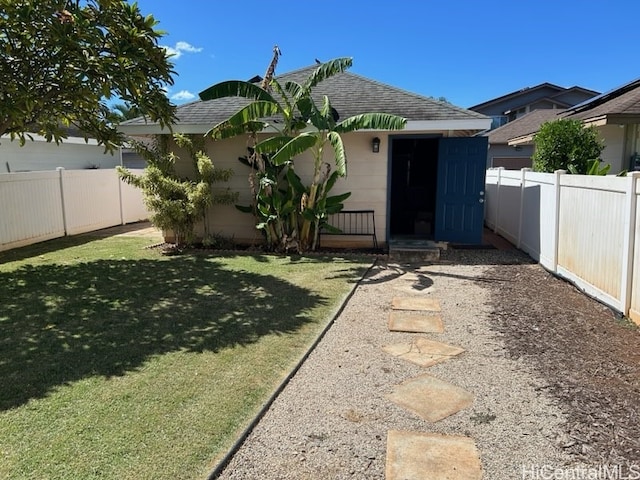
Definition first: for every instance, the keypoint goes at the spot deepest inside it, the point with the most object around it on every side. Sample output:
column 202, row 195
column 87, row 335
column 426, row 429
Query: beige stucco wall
column 613, row 153
column 366, row 180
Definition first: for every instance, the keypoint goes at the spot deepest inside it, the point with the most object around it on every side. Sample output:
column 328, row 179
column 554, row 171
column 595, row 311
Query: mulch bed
column 588, row 354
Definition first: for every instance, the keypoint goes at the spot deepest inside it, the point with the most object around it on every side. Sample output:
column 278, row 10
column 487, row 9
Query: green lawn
column 117, row 362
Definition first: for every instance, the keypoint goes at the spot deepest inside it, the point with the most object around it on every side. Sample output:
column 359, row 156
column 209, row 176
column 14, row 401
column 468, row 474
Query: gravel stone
column 331, row 420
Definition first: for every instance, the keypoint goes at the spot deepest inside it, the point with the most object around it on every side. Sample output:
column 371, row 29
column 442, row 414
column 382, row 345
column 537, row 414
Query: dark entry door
column 460, row 199
column 414, row 161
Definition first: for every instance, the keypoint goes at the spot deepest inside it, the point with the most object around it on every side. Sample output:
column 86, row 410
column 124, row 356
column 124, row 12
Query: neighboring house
column 616, row 115
column 515, row 157
column 74, row 153
column 545, row 96
column 427, row 180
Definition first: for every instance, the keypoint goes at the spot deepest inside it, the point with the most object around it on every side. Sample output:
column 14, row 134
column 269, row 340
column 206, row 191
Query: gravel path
column 331, row 420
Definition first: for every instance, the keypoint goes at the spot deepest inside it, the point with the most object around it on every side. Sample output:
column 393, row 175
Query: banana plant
column 300, row 126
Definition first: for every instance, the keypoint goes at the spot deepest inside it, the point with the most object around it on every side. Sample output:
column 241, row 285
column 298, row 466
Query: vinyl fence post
column 628, row 241
column 120, row 203
column 523, row 180
column 496, row 223
column 556, row 219
column 64, row 213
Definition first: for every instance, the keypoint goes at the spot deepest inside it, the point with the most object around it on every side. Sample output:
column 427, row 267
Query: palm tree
column 301, row 126
column 124, row 111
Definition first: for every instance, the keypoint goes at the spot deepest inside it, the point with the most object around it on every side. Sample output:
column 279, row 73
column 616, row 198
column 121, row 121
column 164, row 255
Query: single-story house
column 616, row 115
column 426, row 180
column 74, row 153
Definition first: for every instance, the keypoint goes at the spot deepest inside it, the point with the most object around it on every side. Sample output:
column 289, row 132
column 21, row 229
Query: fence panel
column 591, row 235
column 584, row 228
column 133, row 207
column 91, row 200
column 39, row 206
column 538, row 229
column 634, row 310
column 30, row 208
column 508, row 216
column 491, row 198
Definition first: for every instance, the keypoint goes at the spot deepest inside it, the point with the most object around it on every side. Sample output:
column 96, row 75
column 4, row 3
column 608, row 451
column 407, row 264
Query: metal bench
column 353, row 222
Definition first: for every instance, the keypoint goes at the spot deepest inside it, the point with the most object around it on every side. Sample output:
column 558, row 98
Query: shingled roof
column 350, row 94
column 549, row 86
column 526, row 125
column 617, row 105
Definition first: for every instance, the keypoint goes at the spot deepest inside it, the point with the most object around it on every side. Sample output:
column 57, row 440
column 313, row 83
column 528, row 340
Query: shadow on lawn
column 64, row 323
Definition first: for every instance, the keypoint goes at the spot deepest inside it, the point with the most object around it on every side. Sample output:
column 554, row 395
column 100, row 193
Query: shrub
column 566, row 145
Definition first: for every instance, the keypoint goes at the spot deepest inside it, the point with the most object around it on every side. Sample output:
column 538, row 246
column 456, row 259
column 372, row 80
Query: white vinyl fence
column 584, row 228
column 38, row 206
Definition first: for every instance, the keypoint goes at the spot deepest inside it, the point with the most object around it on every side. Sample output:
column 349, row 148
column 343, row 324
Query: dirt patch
column 589, row 356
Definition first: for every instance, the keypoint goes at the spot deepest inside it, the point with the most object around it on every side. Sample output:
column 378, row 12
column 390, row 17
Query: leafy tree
column 566, row 145
column 292, row 103
column 61, row 60
column 177, row 203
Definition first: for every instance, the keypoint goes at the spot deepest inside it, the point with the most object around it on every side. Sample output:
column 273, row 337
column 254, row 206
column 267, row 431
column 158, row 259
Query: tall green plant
column 566, row 145
column 302, row 126
column 178, row 204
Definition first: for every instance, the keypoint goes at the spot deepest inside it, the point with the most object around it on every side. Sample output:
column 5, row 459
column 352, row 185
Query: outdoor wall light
column 375, row 145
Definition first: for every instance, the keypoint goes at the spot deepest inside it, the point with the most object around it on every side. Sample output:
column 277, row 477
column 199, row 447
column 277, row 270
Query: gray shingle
column 623, row 101
column 350, row 94
column 525, row 125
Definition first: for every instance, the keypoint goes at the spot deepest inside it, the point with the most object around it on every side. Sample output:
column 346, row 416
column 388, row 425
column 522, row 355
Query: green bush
column 566, row 145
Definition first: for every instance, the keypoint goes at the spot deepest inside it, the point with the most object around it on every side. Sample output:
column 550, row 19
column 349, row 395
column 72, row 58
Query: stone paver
column 415, row 303
column 423, row 351
column 431, row 456
column 430, row 398
column 408, row 321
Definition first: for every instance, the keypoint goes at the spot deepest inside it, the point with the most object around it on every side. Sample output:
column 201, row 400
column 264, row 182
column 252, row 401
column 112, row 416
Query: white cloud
column 180, row 48
column 183, row 96
column 187, row 47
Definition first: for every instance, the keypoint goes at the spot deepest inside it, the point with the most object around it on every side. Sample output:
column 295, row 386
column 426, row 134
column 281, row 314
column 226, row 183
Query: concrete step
column 414, row 253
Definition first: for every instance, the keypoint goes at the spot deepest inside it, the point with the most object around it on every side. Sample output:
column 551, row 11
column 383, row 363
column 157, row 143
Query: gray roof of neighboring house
column 527, row 90
column 350, row 94
column 623, row 101
column 525, row 125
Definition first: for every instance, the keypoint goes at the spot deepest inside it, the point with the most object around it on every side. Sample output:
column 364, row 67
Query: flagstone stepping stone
column 430, row 398
column 415, row 303
column 414, row 284
column 423, row 351
column 407, row 321
column 431, row 456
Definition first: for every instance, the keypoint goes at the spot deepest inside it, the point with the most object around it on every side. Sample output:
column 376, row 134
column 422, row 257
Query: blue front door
column 459, row 215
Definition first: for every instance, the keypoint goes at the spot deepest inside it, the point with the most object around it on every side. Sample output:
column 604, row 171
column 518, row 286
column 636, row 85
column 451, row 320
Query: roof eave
column 611, row 119
column 522, row 140
column 478, row 124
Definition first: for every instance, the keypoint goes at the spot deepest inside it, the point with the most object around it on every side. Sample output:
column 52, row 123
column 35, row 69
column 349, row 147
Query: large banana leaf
column 337, row 199
column 294, row 89
column 246, row 116
column 339, row 153
column 236, row 88
column 294, row 147
column 326, row 70
column 295, row 182
column 272, row 144
column 371, row 121
column 225, row 130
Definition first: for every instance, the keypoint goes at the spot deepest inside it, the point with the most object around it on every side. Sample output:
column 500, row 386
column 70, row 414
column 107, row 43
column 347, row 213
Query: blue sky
column 467, row 51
